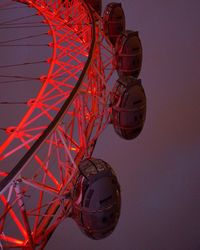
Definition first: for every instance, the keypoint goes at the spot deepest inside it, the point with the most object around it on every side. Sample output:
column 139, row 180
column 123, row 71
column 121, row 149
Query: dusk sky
column 159, row 172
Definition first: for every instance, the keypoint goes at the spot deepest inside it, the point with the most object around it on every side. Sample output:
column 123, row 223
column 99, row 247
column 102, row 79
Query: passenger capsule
column 128, row 103
column 113, row 21
column 96, row 5
column 96, row 199
column 128, row 54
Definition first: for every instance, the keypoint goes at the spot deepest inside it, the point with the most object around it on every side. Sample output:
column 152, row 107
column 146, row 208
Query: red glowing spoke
column 32, row 212
column 6, row 209
column 42, row 114
column 40, row 186
column 4, row 214
column 14, row 150
column 2, row 173
column 53, row 95
column 70, row 74
column 72, row 58
column 34, row 129
column 70, row 138
column 48, row 93
column 19, row 195
column 107, row 63
column 69, row 38
column 59, row 161
column 71, row 52
column 81, row 124
column 107, row 49
column 72, row 40
column 72, row 47
column 66, row 67
column 18, row 243
column 46, row 113
column 42, row 165
column 41, row 194
column 46, row 108
column 14, row 217
column 62, row 83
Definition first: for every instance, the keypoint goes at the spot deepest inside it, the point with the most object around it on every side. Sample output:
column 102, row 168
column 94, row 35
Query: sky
column 159, row 171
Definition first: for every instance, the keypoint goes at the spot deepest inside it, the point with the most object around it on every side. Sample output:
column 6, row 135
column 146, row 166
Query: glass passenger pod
column 128, row 103
column 129, row 54
column 96, row 199
column 96, row 5
column 113, row 21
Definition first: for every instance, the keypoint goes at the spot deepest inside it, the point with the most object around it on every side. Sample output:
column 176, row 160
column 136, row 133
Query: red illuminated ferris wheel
column 59, row 61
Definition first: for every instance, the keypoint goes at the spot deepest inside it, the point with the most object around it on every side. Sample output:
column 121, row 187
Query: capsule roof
column 113, row 21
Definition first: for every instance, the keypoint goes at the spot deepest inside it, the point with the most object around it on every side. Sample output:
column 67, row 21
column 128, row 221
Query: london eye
column 68, row 69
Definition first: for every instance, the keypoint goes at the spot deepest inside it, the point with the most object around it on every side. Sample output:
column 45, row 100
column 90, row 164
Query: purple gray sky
column 159, row 171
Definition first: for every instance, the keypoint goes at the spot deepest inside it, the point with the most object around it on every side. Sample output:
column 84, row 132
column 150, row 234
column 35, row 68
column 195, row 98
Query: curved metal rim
column 15, row 172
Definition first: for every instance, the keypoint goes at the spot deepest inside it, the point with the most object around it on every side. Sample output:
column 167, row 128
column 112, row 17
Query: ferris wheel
column 66, row 72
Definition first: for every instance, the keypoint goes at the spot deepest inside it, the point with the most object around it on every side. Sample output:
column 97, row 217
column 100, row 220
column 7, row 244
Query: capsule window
column 128, row 54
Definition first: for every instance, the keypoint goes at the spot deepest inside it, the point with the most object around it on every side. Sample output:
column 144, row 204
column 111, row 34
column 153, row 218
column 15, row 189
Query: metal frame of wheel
column 59, row 129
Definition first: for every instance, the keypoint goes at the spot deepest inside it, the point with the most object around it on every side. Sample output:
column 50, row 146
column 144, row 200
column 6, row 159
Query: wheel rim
column 77, row 111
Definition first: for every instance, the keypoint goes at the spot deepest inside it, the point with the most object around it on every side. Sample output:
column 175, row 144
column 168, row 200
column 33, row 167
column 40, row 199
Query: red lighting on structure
column 61, row 119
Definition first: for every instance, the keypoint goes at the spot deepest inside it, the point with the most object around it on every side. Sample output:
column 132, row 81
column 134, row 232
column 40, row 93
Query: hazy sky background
column 159, row 172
